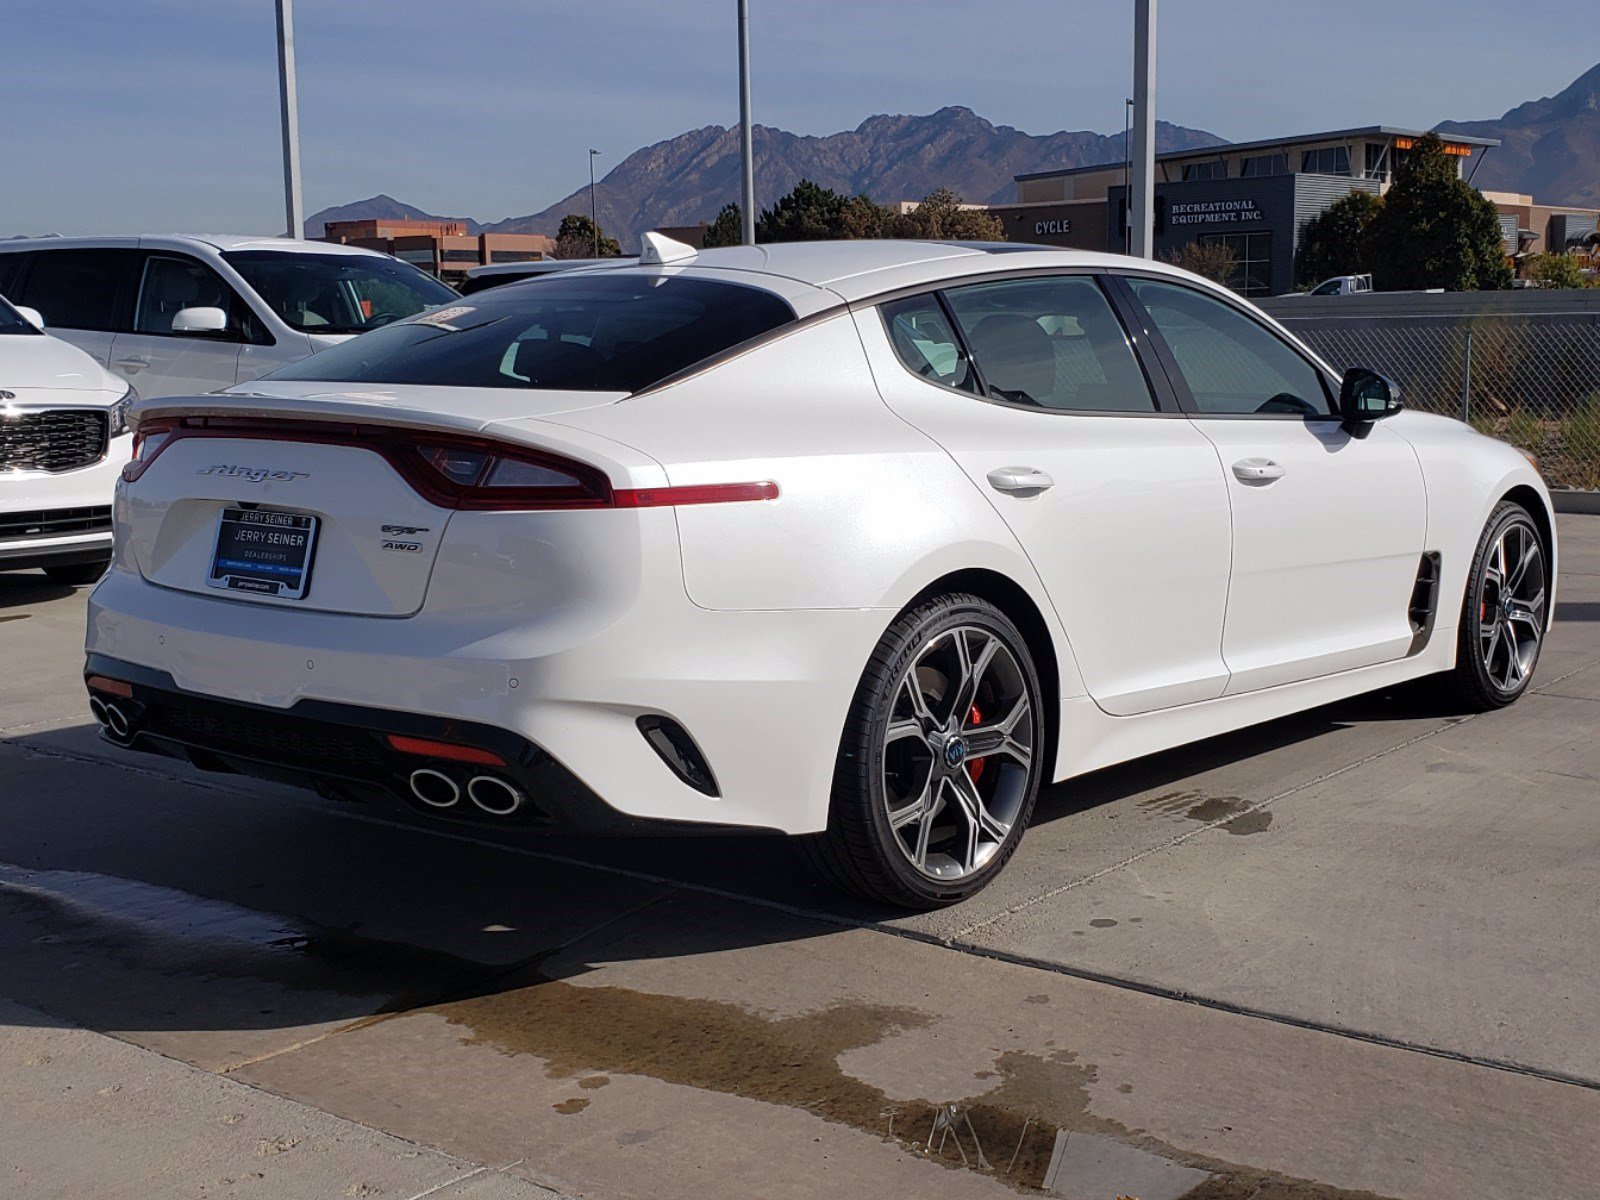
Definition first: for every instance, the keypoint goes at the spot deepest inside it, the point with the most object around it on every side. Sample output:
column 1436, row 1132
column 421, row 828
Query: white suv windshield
column 337, row 293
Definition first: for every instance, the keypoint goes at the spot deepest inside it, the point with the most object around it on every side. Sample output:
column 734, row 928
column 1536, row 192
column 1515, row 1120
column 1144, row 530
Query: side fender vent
column 1424, row 601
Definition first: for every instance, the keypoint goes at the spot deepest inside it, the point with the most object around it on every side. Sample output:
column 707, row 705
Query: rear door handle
column 132, row 364
column 1019, row 479
column 1257, row 470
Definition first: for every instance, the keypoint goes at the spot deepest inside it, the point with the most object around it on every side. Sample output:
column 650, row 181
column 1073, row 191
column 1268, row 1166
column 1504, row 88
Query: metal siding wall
column 1313, row 196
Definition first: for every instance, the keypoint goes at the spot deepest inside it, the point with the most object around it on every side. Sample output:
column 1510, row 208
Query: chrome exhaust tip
column 97, row 709
column 494, row 795
column 434, row 788
column 117, row 721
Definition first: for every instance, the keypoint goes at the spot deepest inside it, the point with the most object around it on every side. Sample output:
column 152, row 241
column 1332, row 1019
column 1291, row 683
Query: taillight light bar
column 451, row 470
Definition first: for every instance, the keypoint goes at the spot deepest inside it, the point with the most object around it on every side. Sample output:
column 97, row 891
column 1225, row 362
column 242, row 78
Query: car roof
column 545, row 266
column 859, row 269
column 187, row 241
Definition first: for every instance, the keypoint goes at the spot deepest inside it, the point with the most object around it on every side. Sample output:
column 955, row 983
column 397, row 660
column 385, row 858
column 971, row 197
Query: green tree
column 809, row 213
column 1334, row 241
column 1556, row 271
column 577, row 238
column 1433, row 230
column 727, row 229
column 1210, row 260
column 941, row 217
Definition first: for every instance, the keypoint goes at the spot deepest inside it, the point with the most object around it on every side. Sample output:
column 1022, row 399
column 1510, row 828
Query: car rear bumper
column 344, row 751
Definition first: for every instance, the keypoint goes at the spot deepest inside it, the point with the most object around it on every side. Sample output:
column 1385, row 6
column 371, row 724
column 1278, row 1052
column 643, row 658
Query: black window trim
column 1161, row 394
column 1175, row 376
column 235, row 333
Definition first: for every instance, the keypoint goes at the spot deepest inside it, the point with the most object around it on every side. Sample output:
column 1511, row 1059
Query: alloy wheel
column 1511, row 606
column 958, row 752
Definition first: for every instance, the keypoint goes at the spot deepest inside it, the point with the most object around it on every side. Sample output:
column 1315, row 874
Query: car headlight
column 119, row 412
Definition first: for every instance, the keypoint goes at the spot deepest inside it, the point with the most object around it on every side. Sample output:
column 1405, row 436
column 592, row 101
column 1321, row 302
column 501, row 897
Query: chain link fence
column 1523, row 367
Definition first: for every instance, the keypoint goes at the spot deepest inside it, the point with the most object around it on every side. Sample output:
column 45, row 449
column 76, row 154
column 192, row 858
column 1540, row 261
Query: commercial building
column 442, row 248
column 1256, row 198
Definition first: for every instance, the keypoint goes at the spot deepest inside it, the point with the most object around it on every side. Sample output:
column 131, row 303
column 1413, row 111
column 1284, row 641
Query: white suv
column 181, row 315
column 63, row 438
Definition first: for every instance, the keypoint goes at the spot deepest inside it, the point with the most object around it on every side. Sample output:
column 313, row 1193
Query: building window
column 1378, row 163
column 1259, row 165
column 1334, row 160
column 1210, row 169
column 459, row 256
column 1252, row 257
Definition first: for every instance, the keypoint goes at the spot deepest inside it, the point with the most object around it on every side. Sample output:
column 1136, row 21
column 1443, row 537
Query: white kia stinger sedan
column 858, row 541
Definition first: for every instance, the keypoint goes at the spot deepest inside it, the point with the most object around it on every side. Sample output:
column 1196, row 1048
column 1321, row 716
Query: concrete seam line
column 448, row 1183
column 1563, row 696
column 916, row 935
column 1262, row 1014
column 1206, row 827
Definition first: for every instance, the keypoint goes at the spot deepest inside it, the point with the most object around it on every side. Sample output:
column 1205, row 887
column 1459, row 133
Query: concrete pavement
column 1348, row 952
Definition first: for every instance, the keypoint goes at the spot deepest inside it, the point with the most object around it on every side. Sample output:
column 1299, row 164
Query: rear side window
column 78, row 289
column 1053, row 343
column 620, row 332
column 922, row 337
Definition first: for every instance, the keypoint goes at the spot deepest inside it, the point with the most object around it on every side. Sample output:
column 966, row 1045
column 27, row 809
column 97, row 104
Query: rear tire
column 78, row 574
column 940, row 761
column 1503, row 613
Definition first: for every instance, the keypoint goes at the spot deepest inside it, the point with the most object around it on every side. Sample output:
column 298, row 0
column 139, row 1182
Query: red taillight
column 453, row 471
column 706, row 493
column 454, row 751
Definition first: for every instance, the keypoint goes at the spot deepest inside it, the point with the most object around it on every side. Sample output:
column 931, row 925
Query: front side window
column 925, row 342
column 337, row 293
column 1054, row 343
column 619, row 332
column 77, row 289
column 171, row 285
column 1232, row 364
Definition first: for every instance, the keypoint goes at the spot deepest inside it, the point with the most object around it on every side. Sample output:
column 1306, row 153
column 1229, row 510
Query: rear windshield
column 612, row 333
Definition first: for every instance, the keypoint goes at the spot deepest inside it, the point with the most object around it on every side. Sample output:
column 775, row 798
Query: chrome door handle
column 1257, row 470
column 132, row 364
column 1019, row 479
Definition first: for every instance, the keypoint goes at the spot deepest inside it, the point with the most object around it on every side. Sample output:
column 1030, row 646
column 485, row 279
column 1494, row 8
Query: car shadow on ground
column 133, row 900
column 22, row 588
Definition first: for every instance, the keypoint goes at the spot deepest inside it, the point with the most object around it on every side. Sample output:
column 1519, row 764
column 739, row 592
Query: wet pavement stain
column 571, row 1107
column 1215, row 809
column 1252, row 822
column 1009, row 1131
column 1102, row 923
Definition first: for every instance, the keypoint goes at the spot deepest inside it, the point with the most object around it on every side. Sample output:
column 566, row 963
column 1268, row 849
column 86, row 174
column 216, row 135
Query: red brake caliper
column 976, row 766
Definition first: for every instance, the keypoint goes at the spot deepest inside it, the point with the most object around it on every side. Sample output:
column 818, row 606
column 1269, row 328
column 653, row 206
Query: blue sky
column 127, row 116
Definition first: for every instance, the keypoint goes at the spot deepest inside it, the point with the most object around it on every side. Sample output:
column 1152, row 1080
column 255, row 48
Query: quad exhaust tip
column 112, row 719
column 434, row 788
column 494, row 795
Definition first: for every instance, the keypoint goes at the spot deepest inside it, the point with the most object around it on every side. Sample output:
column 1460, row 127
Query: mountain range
column 1550, row 148
column 688, row 178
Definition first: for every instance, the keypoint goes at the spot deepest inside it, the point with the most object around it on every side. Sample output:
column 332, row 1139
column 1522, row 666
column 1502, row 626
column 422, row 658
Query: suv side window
column 1233, row 365
column 171, row 285
column 927, row 345
column 78, row 289
column 1053, row 343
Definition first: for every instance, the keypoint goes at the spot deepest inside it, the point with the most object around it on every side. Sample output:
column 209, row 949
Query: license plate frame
column 264, row 552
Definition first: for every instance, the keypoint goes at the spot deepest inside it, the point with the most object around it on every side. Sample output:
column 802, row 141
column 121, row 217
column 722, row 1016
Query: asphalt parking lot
column 1352, row 952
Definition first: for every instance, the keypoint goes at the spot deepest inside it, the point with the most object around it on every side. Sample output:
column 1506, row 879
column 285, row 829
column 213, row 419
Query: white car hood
column 44, row 363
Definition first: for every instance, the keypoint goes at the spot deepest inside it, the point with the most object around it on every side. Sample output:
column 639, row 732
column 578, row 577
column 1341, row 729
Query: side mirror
column 1365, row 396
column 31, row 315
column 200, row 320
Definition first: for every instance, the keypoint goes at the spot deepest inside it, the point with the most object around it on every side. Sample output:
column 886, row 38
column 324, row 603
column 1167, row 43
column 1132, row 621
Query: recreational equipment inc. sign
column 1213, row 212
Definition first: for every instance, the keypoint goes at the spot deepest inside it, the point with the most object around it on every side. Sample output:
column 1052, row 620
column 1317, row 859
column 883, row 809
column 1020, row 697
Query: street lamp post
column 1142, row 192
column 747, row 166
column 289, row 108
column 594, row 220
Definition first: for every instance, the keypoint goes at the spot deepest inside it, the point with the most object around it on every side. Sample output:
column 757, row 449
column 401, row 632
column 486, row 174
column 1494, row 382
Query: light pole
column 1127, row 209
column 747, row 165
column 594, row 221
column 1142, row 192
column 289, row 107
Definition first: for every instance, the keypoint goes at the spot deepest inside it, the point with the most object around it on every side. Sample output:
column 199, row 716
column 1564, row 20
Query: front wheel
column 940, row 761
column 1504, row 612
